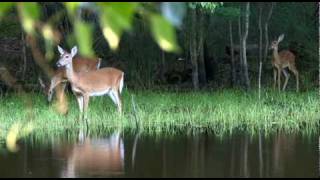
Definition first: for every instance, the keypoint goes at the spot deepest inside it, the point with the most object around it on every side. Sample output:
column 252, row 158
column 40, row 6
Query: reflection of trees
column 283, row 149
column 197, row 156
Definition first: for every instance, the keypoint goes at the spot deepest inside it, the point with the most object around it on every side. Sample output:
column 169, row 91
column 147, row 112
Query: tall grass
column 218, row 112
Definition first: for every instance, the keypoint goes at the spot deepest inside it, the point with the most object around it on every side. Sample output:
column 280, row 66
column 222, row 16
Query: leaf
column 83, row 34
column 5, row 6
column 17, row 131
column 115, row 18
column 174, row 12
column 72, row 7
column 12, row 137
column 49, row 37
column 30, row 13
column 164, row 33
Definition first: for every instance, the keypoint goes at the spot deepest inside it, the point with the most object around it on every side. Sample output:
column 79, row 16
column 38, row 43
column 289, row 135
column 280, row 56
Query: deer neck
column 70, row 72
column 276, row 54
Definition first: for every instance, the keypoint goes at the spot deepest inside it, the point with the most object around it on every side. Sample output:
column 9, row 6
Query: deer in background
column 282, row 60
column 79, row 63
column 104, row 81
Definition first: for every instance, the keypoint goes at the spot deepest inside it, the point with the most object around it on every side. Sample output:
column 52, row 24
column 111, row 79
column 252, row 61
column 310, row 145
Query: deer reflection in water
column 92, row 157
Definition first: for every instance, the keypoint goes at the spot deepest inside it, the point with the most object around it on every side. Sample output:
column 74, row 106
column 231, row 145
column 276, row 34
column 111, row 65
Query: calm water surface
column 133, row 155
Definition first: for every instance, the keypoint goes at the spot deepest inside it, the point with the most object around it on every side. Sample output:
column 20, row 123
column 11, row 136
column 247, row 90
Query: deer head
column 65, row 57
column 274, row 44
column 46, row 89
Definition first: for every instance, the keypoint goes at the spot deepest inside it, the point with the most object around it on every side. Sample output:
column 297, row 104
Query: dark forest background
column 205, row 61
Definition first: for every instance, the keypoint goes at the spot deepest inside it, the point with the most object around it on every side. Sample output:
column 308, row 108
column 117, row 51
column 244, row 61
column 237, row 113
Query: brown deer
column 79, row 64
column 104, row 81
column 280, row 61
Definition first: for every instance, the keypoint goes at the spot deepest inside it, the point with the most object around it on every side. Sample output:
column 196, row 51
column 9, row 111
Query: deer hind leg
column 114, row 95
column 62, row 101
column 287, row 76
column 117, row 95
column 296, row 73
column 55, row 81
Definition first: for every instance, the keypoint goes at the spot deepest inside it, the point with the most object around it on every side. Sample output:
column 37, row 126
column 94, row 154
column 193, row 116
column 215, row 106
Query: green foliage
column 83, row 34
column 114, row 19
column 165, row 36
column 228, row 12
column 220, row 111
column 206, row 6
column 5, row 6
column 30, row 15
column 72, row 8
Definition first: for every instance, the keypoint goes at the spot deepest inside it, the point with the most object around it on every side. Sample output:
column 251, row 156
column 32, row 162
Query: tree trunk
column 266, row 31
column 193, row 50
column 260, row 50
column 240, row 52
column 202, row 68
column 319, row 42
column 233, row 68
column 244, row 43
column 24, row 55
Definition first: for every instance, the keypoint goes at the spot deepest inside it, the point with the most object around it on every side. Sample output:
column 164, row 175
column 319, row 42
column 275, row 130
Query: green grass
column 218, row 112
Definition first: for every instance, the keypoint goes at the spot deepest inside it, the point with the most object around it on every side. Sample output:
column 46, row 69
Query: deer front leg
column 85, row 105
column 274, row 78
column 80, row 103
column 297, row 80
column 279, row 74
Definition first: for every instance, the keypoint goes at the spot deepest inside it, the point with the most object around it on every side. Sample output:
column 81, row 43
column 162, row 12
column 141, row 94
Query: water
column 133, row 155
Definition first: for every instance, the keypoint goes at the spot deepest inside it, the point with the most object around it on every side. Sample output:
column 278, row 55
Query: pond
column 139, row 155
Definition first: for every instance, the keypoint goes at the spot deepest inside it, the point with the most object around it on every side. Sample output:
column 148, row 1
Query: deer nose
column 58, row 64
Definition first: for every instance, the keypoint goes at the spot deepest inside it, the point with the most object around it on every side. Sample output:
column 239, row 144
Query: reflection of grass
column 218, row 111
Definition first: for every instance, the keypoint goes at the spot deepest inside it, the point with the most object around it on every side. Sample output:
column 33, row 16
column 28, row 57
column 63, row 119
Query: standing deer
column 79, row 63
column 282, row 60
column 92, row 83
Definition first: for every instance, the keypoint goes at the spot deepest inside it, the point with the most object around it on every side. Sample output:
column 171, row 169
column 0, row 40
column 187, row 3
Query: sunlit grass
column 219, row 112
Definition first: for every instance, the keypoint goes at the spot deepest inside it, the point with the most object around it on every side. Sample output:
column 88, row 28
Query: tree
column 197, row 39
column 233, row 69
column 260, row 48
column 260, row 42
column 114, row 19
column 266, row 30
column 243, row 48
column 231, row 14
column 319, row 45
column 193, row 50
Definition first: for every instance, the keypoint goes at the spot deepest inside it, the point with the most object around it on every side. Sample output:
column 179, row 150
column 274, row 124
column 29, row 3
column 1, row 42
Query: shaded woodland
column 206, row 38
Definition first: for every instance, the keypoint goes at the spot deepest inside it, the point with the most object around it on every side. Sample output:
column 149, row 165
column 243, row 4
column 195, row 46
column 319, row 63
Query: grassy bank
column 217, row 111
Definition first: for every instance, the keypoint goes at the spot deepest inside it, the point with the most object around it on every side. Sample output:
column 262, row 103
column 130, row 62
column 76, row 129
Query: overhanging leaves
column 164, row 33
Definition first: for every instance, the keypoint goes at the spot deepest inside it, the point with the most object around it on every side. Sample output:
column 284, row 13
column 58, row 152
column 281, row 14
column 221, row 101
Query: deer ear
column 280, row 37
column 61, row 51
column 74, row 51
